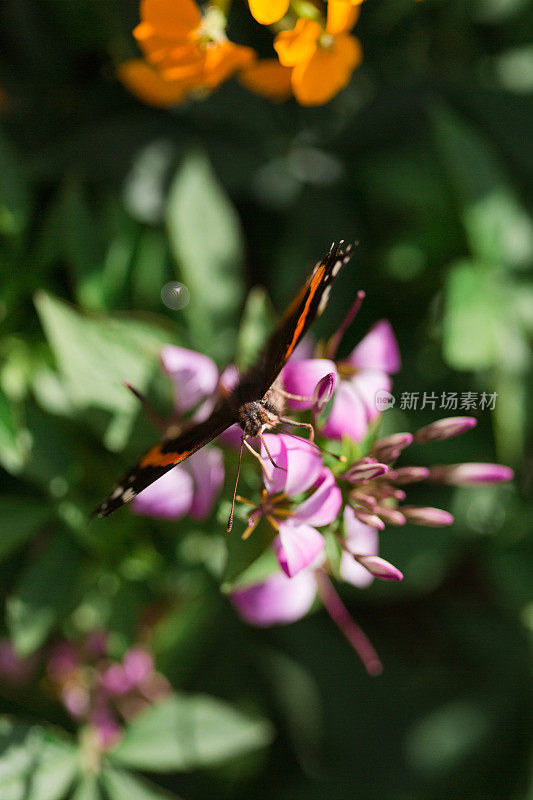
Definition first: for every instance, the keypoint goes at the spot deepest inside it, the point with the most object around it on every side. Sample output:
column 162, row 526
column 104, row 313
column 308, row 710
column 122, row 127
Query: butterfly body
column 256, row 403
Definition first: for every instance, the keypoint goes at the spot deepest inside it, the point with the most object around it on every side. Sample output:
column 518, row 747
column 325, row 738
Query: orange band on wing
column 313, row 288
column 155, row 458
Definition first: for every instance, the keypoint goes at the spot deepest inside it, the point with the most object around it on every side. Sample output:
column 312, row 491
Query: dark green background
column 426, row 160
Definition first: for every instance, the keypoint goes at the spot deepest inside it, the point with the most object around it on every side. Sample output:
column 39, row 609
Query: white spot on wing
column 324, row 300
column 117, row 491
column 128, row 495
column 336, row 267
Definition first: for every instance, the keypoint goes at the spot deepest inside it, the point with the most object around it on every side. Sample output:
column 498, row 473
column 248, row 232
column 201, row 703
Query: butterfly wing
column 308, row 304
column 162, row 457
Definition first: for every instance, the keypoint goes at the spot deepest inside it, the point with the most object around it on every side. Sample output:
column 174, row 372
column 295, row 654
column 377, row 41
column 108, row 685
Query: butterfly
column 256, row 403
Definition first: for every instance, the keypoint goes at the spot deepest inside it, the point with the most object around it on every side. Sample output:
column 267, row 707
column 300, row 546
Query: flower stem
column 334, row 342
column 341, row 617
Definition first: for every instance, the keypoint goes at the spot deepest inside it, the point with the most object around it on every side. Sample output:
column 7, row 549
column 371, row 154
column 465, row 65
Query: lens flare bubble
column 175, row 295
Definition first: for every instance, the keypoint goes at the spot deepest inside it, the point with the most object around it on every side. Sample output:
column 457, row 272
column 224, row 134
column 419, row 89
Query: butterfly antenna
column 230, row 520
column 262, row 438
column 342, row 459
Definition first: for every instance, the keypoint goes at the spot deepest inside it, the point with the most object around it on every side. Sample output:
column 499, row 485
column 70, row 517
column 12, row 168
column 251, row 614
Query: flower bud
column 445, row 429
column 380, row 568
column 366, row 500
column 323, row 391
column 392, row 444
column 425, row 515
column 360, row 473
column 391, row 515
column 408, row 475
column 470, row 474
column 369, row 519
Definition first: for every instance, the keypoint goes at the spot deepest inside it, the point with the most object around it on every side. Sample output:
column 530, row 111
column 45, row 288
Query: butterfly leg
column 289, row 421
column 291, row 396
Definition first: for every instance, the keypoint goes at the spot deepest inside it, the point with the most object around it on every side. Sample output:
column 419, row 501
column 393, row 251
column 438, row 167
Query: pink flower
column 299, row 468
column 191, row 488
column 278, row 600
column 362, row 374
column 194, row 376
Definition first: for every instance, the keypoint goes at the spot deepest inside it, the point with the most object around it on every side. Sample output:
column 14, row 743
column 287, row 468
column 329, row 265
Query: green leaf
column 471, row 315
column 42, row 593
column 498, row 227
column 13, row 448
column 206, row 240
column 82, row 246
column 34, row 763
column 14, row 193
column 188, row 732
column 87, row 789
column 95, row 355
column 258, row 571
column 21, row 517
column 256, row 323
column 242, row 554
column 122, row 785
column 298, row 702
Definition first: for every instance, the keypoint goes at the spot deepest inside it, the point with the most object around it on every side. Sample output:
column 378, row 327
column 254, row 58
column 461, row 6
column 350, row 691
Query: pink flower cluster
column 100, row 691
column 302, row 497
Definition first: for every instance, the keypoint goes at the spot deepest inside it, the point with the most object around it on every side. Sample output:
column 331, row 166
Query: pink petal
column 305, row 349
column 300, row 464
column 115, row 681
column 360, row 539
column 277, row 601
column 378, row 350
column 194, row 375
column 353, row 572
column 323, row 506
column 229, row 377
column 169, row 497
column 299, row 544
column 138, row 665
column 231, row 437
column 301, row 377
column 348, row 415
column 207, row 470
column 367, row 383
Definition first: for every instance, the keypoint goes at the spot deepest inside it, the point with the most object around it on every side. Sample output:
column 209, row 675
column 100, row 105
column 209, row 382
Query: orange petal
column 268, row 78
column 171, row 18
column 318, row 80
column 224, row 60
column 162, row 52
column 147, row 84
column 342, row 16
column 268, row 11
column 297, row 45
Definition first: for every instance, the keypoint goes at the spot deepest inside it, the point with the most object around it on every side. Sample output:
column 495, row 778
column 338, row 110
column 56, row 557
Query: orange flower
column 268, row 78
column 342, row 15
column 268, row 11
column 187, row 51
column 323, row 60
column 147, row 85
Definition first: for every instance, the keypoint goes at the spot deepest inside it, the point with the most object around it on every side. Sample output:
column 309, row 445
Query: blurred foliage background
column 426, row 160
